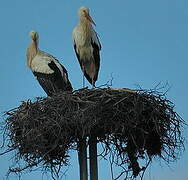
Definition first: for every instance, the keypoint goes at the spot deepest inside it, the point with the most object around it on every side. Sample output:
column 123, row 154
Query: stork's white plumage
column 52, row 76
column 87, row 46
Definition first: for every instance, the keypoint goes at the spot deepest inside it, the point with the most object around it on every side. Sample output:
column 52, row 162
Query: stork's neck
column 32, row 52
column 86, row 25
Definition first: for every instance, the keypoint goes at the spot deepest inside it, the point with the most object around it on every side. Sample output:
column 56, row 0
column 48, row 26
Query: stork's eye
column 85, row 12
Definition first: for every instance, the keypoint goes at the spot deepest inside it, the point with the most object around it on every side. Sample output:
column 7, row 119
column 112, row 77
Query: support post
column 82, row 157
column 93, row 158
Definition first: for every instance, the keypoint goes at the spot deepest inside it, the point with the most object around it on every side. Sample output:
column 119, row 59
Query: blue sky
column 144, row 42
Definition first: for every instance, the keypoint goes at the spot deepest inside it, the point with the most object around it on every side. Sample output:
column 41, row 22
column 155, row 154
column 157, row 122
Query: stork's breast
column 85, row 52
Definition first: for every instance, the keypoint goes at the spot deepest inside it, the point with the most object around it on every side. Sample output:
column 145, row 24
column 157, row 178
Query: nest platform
column 131, row 124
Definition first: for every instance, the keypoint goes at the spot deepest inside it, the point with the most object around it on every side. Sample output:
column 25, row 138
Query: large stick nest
column 130, row 125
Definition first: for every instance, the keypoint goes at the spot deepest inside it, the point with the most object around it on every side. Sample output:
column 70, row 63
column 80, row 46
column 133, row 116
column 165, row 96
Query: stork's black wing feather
column 62, row 82
column 96, row 56
column 66, row 79
column 54, row 82
column 47, row 82
column 77, row 55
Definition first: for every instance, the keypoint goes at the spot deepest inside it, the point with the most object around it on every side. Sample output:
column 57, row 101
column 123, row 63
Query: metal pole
column 82, row 157
column 93, row 158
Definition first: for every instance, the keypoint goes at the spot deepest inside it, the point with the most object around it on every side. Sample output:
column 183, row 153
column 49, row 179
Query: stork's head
column 33, row 47
column 34, row 35
column 83, row 12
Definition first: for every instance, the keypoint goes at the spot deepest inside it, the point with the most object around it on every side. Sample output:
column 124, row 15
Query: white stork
column 51, row 75
column 87, row 46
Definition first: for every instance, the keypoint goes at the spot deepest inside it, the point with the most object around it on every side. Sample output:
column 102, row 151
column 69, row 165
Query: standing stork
column 51, row 75
column 87, row 46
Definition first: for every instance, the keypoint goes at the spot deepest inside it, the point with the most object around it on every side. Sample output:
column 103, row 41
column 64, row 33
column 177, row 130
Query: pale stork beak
column 90, row 18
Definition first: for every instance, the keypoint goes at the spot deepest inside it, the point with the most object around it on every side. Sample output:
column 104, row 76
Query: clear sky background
column 144, row 42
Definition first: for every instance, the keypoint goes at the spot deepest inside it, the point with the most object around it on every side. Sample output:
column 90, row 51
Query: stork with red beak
column 87, row 46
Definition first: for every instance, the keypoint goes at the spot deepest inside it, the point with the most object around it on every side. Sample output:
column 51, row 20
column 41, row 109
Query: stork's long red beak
column 90, row 18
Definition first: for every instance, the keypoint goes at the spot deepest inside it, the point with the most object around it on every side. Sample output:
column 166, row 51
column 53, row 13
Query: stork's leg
column 93, row 84
column 93, row 158
column 83, row 69
column 83, row 81
column 92, row 70
column 82, row 157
